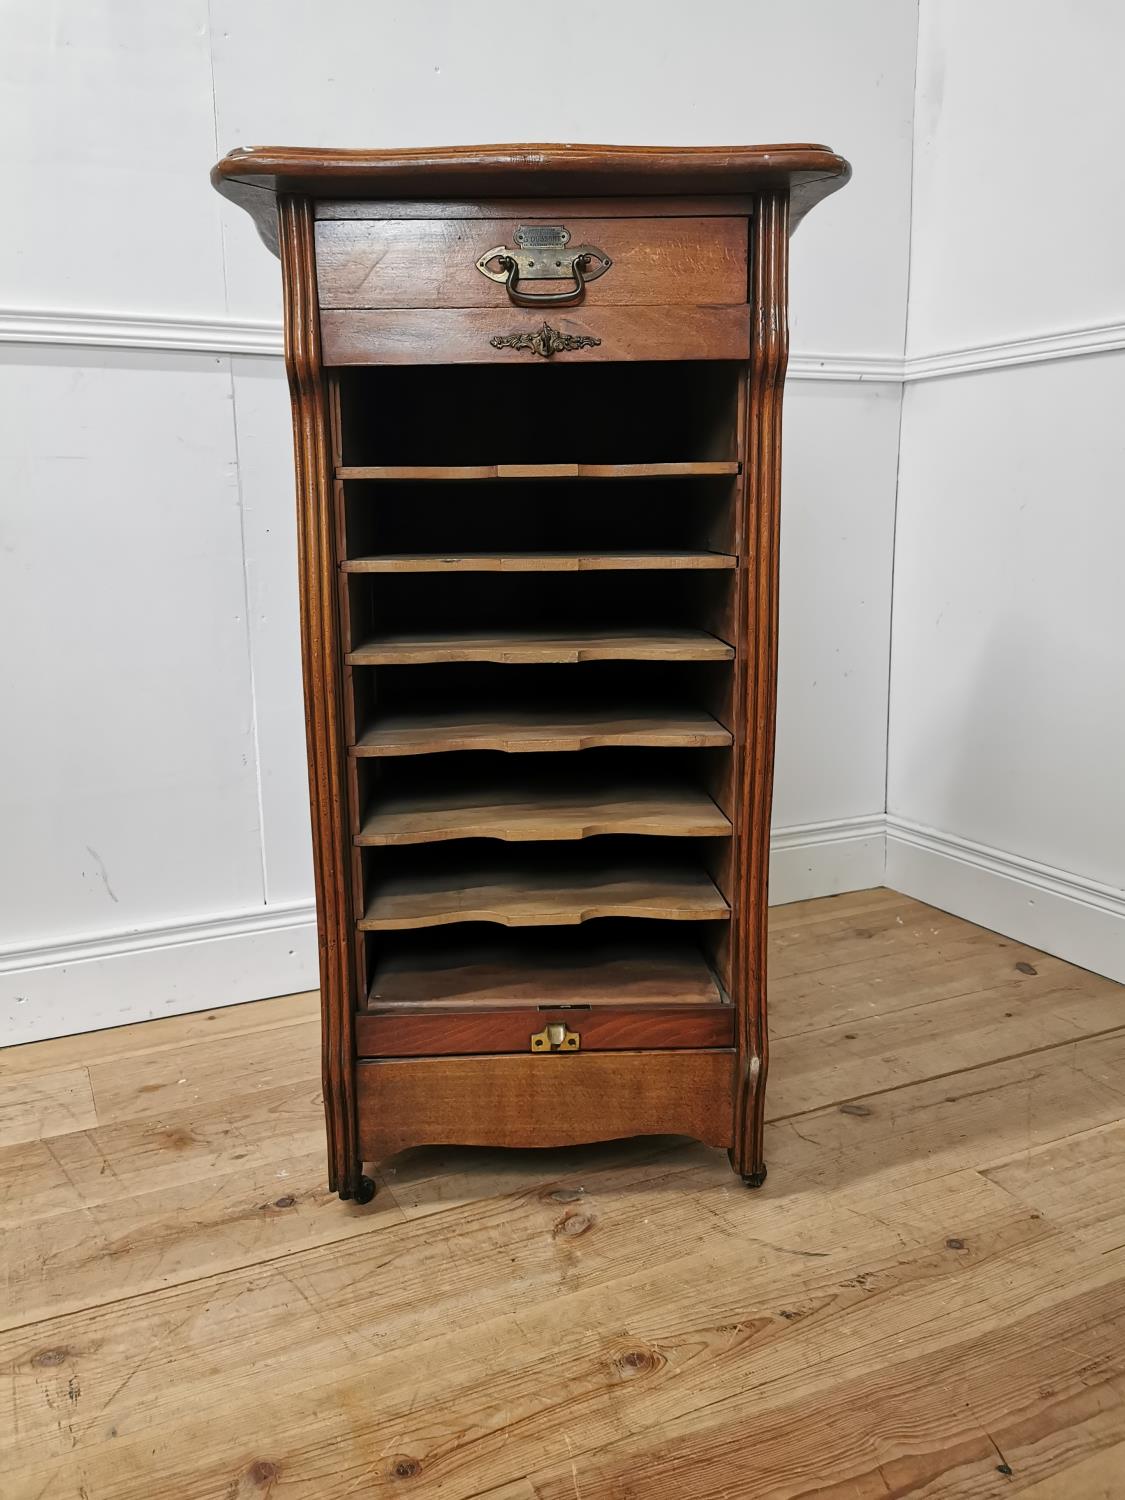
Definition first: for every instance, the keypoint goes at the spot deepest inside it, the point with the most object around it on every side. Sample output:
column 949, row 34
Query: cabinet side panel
column 320, row 653
column 757, row 706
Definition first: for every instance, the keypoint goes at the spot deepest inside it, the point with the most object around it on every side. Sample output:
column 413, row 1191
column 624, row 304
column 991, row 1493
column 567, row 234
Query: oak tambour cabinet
column 537, row 412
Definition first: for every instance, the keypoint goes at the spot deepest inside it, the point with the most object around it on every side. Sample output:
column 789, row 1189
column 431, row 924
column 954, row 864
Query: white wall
column 1018, row 212
column 1006, row 778
column 152, row 786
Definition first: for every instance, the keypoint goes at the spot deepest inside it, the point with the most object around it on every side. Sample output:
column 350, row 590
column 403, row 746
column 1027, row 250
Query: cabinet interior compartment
column 650, row 412
column 539, row 590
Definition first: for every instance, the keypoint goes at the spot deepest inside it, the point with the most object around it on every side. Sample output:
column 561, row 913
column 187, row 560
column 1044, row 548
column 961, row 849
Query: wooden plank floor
column 926, row 1299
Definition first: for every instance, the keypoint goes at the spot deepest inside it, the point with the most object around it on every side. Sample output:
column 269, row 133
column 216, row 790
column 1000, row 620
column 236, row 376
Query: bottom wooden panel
column 547, row 1100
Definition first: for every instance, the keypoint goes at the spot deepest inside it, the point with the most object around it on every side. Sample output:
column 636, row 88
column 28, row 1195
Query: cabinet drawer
column 456, row 336
column 434, row 262
column 543, row 1101
column 603, row 1028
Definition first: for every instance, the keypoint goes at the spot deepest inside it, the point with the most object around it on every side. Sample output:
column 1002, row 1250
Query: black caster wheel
column 755, row 1179
column 364, row 1190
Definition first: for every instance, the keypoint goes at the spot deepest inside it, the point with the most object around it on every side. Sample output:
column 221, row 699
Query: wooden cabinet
column 537, row 411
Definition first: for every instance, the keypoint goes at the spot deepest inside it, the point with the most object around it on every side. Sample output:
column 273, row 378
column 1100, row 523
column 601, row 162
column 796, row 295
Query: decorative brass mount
column 555, row 1037
column 545, row 341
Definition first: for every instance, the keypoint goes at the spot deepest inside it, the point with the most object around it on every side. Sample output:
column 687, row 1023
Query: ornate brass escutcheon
column 543, row 253
column 545, row 341
column 555, row 1037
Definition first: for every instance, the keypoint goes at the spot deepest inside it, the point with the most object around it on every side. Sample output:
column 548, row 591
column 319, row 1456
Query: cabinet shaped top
column 252, row 176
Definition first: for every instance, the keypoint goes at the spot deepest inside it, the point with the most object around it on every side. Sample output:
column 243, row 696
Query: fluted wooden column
column 320, row 651
column 756, row 709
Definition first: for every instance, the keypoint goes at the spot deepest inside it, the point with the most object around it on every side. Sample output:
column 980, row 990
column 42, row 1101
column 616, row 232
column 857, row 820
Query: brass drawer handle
column 526, row 299
column 541, row 254
column 545, row 341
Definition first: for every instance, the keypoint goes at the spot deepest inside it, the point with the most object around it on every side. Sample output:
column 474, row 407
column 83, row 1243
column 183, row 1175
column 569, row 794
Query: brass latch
column 555, row 1037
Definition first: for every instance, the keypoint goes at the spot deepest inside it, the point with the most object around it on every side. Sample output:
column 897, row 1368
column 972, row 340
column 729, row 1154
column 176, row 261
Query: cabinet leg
column 755, row 1177
column 359, row 1187
column 747, row 1155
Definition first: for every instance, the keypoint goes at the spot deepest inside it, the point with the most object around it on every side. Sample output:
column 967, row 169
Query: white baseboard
column 824, row 859
column 64, row 988
column 1076, row 919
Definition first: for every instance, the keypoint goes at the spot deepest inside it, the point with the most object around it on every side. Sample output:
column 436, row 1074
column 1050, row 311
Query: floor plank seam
column 154, row 1049
column 992, row 1062
column 1025, row 1153
column 188, row 1281
column 902, row 1010
column 408, row 1221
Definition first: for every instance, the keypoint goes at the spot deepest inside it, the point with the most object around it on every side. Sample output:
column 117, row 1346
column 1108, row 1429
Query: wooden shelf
column 539, row 808
column 530, row 647
column 534, row 895
column 533, row 730
column 537, row 562
column 543, row 973
column 705, row 469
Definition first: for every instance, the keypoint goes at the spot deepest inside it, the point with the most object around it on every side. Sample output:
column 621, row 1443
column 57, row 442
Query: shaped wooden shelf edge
column 531, row 647
column 531, row 730
column 524, row 810
column 517, row 895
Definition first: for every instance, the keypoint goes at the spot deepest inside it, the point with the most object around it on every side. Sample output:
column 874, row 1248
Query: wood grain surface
column 530, row 646
column 53, row 1103
column 555, row 893
column 685, row 205
column 538, row 562
column 932, row 1280
column 326, row 734
column 524, row 971
column 529, row 730
column 523, row 1100
column 387, row 262
column 540, row 807
column 755, row 695
column 686, row 469
column 252, row 176
column 442, row 335
column 381, row 1034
